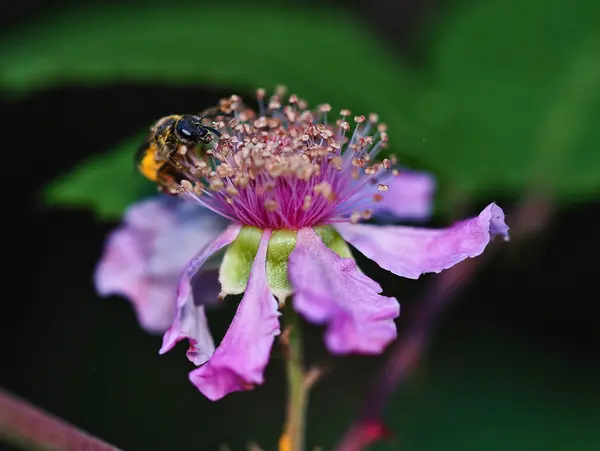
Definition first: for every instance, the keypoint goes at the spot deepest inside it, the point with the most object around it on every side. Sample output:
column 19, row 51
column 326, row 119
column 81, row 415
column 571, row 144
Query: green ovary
column 238, row 259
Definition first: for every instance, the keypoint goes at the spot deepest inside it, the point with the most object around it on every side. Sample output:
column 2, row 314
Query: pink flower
column 295, row 188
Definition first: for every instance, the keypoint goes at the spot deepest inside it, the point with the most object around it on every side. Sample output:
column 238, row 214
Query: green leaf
column 521, row 83
column 511, row 99
column 322, row 54
column 107, row 184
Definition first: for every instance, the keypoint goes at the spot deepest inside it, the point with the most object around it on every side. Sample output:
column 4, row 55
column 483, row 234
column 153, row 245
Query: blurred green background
column 499, row 98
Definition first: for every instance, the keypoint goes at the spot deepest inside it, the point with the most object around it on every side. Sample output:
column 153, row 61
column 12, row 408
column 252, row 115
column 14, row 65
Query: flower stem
column 28, row 427
column 292, row 438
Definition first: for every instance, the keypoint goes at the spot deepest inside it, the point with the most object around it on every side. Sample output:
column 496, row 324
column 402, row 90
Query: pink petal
column 331, row 289
column 142, row 259
column 239, row 361
column 409, row 196
column 410, row 251
column 190, row 319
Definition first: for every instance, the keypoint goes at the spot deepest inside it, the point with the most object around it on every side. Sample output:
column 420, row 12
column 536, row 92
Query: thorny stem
column 529, row 217
column 28, row 427
column 292, row 438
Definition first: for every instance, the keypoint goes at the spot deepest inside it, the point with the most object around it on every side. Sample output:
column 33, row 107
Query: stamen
column 307, row 202
column 187, row 185
column 271, row 205
column 199, row 188
column 324, row 189
column 286, row 167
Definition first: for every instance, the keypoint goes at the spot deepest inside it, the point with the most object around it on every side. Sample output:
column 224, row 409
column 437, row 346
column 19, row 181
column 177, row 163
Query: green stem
column 292, row 438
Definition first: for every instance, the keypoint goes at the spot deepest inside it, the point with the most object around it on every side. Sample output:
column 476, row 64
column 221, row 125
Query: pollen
column 355, row 217
column 199, row 188
column 187, row 185
column 325, row 190
column 232, row 190
column 271, row 205
column 307, row 202
column 337, row 162
column 286, row 166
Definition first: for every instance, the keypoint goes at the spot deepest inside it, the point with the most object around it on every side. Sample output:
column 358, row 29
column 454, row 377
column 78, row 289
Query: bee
column 163, row 156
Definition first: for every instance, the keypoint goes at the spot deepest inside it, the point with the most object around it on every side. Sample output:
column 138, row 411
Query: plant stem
column 27, row 427
column 292, row 438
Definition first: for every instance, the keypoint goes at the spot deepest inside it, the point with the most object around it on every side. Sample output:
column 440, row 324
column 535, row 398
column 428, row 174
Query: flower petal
column 410, row 251
column 190, row 319
column 409, row 196
column 143, row 258
column 331, row 289
column 239, row 361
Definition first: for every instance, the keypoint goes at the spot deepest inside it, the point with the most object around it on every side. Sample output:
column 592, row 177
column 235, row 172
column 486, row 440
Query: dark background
column 528, row 322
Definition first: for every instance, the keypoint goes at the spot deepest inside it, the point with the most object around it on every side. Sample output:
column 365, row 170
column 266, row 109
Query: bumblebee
column 163, row 156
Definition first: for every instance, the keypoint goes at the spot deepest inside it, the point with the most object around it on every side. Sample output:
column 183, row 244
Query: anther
column 306, row 203
column 324, row 189
column 187, row 185
column 358, row 162
column 336, row 162
column 216, row 184
column 232, row 190
column 199, row 188
column 280, row 90
column 271, row 205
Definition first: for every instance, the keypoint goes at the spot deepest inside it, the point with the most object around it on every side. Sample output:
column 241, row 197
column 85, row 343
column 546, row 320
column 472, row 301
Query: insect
column 163, row 156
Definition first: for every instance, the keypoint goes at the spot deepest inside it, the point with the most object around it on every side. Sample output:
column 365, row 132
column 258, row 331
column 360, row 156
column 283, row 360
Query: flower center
column 288, row 168
column 238, row 259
